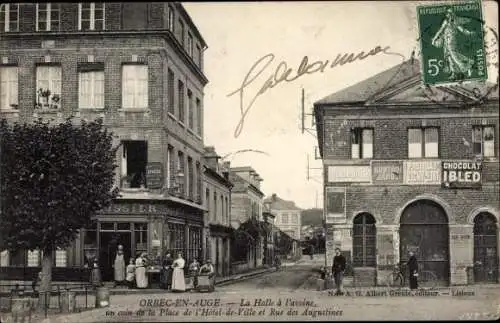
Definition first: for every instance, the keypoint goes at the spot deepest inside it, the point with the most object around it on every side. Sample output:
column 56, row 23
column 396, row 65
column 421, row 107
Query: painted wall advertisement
column 461, row 174
column 422, row 172
column 386, row 172
column 154, row 175
column 335, row 204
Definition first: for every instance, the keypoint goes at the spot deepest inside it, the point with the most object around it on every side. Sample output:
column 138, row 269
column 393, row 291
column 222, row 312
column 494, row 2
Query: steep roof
column 281, row 204
column 364, row 90
column 392, row 79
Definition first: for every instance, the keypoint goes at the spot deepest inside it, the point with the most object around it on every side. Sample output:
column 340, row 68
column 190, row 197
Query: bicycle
column 427, row 278
column 397, row 278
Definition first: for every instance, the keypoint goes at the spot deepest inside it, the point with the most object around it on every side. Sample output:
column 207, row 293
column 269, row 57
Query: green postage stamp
column 452, row 42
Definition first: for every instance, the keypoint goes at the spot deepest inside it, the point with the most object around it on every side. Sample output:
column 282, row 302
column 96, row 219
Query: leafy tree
column 54, row 181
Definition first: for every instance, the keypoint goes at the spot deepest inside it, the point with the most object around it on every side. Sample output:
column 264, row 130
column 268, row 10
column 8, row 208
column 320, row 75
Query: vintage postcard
column 249, row 161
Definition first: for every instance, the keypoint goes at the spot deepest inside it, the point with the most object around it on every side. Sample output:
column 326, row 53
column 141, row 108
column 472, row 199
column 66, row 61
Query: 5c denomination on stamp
column 452, row 43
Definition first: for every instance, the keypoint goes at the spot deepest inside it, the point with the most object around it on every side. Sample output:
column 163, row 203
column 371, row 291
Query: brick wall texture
column 387, row 202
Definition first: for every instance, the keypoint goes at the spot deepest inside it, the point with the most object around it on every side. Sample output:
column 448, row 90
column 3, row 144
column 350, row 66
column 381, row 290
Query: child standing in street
column 130, row 273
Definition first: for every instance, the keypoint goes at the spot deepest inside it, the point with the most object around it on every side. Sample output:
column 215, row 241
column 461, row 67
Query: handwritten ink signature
column 285, row 74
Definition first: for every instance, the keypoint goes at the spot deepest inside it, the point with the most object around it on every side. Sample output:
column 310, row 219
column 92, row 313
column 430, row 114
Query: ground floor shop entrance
column 424, row 231
column 485, row 248
column 101, row 241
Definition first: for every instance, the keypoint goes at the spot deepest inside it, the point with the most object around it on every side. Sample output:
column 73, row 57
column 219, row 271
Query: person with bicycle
column 338, row 268
column 412, row 265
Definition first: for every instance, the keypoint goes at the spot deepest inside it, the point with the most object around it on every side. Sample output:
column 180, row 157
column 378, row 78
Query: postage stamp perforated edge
column 420, row 39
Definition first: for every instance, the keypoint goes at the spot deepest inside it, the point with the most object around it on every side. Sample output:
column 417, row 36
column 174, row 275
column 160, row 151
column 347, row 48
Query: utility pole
column 303, row 114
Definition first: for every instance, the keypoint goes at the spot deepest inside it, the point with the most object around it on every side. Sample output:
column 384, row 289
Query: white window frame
column 48, row 21
column 9, row 82
column 171, row 18
column 198, row 117
column 190, row 45
column 61, row 258
column 4, row 258
column 93, row 95
column 5, row 11
column 424, row 143
column 362, row 149
column 197, row 57
column 137, row 71
column 34, row 258
column 92, row 15
column 54, row 76
column 182, row 32
column 490, row 153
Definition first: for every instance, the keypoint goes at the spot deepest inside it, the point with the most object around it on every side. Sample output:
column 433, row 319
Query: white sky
column 238, row 34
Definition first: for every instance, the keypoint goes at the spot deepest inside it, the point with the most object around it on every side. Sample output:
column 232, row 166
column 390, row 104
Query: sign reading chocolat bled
column 461, row 174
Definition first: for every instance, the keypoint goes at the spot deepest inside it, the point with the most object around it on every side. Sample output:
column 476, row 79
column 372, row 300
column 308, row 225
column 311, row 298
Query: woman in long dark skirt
column 166, row 272
column 413, row 271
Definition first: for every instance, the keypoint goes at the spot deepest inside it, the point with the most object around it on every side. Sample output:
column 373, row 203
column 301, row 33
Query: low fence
column 62, row 298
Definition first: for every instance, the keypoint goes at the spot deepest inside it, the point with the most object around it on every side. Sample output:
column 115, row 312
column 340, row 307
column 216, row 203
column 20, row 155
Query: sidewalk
column 219, row 281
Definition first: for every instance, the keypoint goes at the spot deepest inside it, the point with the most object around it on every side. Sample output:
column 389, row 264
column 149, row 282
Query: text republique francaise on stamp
column 452, row 43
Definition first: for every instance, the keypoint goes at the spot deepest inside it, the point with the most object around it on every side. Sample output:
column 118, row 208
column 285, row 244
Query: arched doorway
column 424, row 230
column 485, row 248
column 364, row 241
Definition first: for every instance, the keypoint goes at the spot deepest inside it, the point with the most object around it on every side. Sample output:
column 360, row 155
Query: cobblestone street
column 257, row 299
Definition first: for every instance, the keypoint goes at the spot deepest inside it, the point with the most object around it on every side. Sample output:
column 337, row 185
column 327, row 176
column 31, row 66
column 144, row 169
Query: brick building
column 246, row 207
column 409, row 168
column 217, row 189
column 139, row 66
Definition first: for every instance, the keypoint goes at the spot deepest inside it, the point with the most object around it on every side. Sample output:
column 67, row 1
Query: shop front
column 153, row 227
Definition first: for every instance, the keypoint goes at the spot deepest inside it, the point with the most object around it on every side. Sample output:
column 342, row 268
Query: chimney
column 226, row 166
column 211, row 158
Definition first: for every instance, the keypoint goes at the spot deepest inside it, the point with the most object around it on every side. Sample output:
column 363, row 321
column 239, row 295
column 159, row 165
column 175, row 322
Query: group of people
column 339, row 266
column 172, row 273
column 134, row 275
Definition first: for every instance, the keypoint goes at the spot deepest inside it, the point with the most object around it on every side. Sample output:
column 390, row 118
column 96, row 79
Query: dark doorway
column 109, row 242
column 135, row 157
column 217, row 255
column 485, row 248
column 424, row 230
column 364, row 241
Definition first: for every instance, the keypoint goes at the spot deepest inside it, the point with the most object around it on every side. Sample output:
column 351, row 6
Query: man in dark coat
column 166, row 272
column 338, row 268
column 413, row 270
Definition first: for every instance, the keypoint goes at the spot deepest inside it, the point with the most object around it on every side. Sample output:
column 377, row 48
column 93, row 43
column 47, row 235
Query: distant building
column 287, row 214
column 246, row 207
column 217, row 201
column 288, row 219
column 269, row 243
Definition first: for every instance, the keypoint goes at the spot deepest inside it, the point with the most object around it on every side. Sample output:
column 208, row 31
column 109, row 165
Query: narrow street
column 290, row 278
column 259, row 298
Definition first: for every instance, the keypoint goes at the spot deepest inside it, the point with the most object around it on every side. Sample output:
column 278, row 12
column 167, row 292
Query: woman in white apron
column 178, row 282
column 140, row 271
